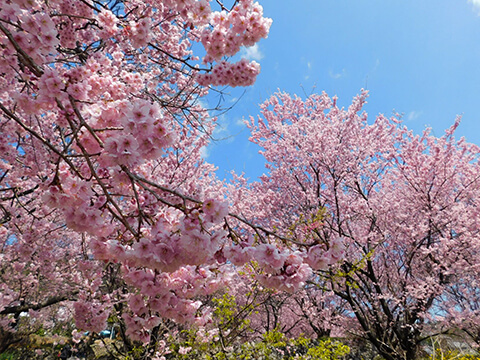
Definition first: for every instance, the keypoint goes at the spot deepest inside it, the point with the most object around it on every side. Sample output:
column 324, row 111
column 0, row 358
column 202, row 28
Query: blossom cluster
column 90, row 316
column 175, row 240
column 108, row 23
column 144, row 135
column 73, row 199
column 72, row 29
column 169, row 295
column 241, row 73
column 290, row 277
column 284, row 269
column 319, row 259
column 139, row 32
column 38, row 37
column 244, row 25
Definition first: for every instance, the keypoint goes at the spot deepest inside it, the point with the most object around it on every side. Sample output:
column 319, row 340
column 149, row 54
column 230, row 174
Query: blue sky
column 420, row 58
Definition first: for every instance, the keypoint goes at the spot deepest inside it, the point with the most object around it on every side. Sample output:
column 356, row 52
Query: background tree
column 462, row 307
column 403, row 209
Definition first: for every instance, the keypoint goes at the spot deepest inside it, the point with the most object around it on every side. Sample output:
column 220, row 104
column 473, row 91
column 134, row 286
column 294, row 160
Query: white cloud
column 225, row 129
column 205, row 152
column 476, row 5
column 334, row 75
column 240, row 122
column 309, row 68
column 221, row 130
column 252, row 53
column 413, row 115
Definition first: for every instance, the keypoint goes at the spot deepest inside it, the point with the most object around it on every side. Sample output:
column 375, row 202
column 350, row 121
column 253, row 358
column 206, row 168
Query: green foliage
column 272, row 345
column 308, row 224
column 8, row 356
column 327, row 350
column 227, row 340
column 230, row 320
column 135, row 353
column 274, row 338
column 441, row 354
column 227, row 314
column 41, row 331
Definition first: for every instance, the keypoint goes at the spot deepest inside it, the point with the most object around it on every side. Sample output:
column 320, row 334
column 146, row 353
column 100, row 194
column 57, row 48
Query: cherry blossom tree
column 401, row 209
column 104, row 197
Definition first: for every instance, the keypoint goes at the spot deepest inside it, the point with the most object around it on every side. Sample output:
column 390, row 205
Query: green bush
column 227, row 340
column 273, row 345
column 441, row 354
column 8, row 356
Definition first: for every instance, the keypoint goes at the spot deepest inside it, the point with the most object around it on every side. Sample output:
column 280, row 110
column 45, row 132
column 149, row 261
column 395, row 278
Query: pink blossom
column 269, row 256
column 50, row 84
column 108, row 21
column 214, row 210
column 318, row 258
column 90, row 316
column 237, row 255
